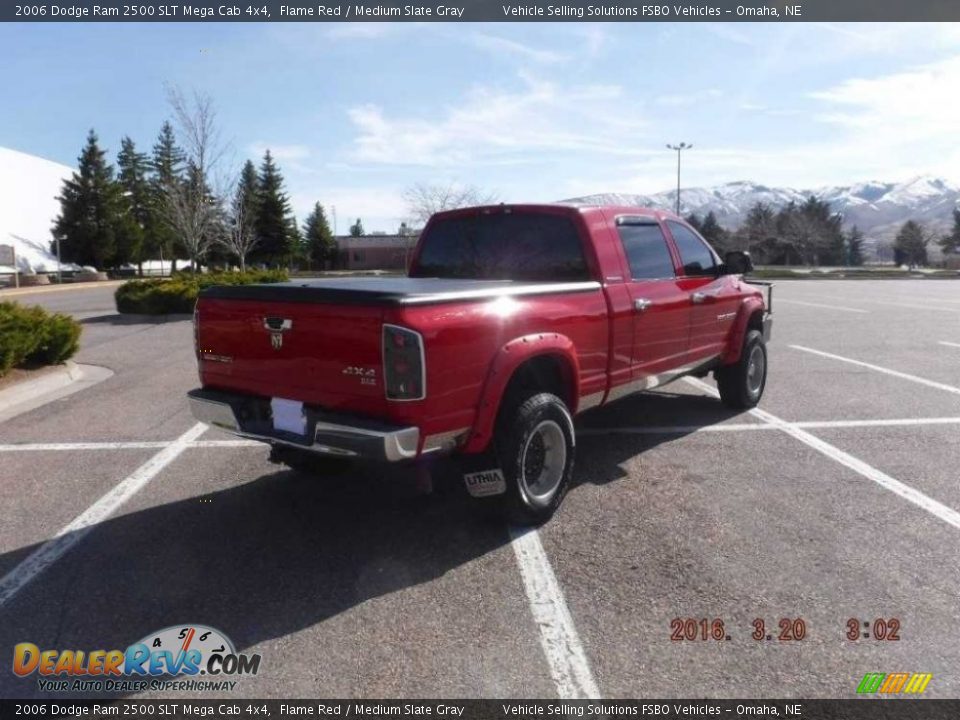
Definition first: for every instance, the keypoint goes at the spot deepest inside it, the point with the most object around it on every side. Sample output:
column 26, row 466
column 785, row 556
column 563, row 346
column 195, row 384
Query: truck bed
column 375, row 290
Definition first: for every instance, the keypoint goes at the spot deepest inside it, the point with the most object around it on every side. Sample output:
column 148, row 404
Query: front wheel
column 741, row 384
column 536, row 448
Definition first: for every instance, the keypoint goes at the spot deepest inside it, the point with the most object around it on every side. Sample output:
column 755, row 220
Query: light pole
column 679, row 148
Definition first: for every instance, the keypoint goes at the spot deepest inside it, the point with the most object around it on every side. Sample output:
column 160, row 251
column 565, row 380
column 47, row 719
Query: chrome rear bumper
column 327, row 433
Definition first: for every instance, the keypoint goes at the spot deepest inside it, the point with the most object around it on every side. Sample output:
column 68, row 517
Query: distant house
column 374, row 252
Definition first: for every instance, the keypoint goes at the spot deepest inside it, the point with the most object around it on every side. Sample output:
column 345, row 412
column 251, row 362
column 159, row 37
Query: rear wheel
column 535, row 447
column 741, row 384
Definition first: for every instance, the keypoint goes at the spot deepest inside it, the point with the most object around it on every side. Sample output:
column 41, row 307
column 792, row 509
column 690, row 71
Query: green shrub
column 61, row 340
column 32, row 336
column 160, row 296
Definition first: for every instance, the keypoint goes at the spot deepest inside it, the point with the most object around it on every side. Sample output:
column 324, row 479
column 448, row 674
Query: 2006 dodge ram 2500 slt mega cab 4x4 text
column 512, row 320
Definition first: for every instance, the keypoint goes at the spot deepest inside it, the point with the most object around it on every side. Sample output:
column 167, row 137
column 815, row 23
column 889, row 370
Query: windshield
column 503, row 246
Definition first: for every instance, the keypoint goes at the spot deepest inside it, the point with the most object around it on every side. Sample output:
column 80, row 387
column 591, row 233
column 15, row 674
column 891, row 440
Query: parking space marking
column 558, row 636
column 747, row 427
column 895, row 373
column 892, row 303
column 145, row 445
column 949, row 344
column 821, row 305
column 947, row 514
column 51, row 551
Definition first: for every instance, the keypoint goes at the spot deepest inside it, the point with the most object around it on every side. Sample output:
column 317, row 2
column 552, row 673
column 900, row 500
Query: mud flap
column 485, row 483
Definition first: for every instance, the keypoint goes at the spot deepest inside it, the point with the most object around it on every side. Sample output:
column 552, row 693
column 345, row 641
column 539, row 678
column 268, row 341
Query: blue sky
column 354, row 113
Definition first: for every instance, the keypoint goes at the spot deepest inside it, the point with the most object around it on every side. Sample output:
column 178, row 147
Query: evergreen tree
column 694, row 221
column 298, row 248
column 714, row 234
column 356, row 230
column 951, row 243
column 272, row 225
column 167, row 167
column 758, row 234
column 855, row 247
column 321, row 246
column 133, row 167
column 910, row 245
column 90, row 209
column 248, row 193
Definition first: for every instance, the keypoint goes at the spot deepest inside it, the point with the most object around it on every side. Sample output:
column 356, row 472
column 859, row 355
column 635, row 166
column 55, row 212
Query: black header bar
column 479, row 11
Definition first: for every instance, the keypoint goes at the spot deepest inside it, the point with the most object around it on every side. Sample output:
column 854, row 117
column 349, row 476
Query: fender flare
column 748, row 308
column 505, row 363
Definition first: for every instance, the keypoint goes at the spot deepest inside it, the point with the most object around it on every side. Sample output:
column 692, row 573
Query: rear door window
column 503, row 246
column 695, row 254
column 646, row 249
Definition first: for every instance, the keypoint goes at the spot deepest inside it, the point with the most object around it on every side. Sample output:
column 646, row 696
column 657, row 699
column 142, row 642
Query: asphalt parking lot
column 839, row 499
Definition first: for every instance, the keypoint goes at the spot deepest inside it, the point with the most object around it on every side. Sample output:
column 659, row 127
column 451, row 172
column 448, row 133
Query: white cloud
column 380, row 208
column 493, row 125
column 504, row 46
column 905, row 122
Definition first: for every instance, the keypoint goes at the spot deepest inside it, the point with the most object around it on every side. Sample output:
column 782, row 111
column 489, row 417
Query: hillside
column 28, row 205
column 878, row 208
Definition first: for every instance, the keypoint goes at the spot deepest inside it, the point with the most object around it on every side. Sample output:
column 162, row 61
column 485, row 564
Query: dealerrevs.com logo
column 202, row 657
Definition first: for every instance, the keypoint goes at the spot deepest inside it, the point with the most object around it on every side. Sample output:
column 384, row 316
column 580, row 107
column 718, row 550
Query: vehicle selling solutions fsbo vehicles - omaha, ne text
column 512, row 319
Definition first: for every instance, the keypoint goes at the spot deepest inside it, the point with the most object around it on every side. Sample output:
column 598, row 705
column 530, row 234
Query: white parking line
column 947, row 514
column 144, row 445
column 949, row 344
column 892, row 303
column 51, row 551
column 887, row 371
column 821, row 305
column 568, row 663
column 742, row 427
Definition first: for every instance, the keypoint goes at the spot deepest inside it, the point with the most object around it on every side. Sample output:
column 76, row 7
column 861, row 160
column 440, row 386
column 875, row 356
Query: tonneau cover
column 389, row 290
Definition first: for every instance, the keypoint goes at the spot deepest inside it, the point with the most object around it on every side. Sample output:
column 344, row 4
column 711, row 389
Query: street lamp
column 679, row 148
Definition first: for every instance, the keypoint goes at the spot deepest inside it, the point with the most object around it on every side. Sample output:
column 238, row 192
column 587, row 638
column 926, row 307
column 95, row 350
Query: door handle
column 641, row 304
column 698, row 298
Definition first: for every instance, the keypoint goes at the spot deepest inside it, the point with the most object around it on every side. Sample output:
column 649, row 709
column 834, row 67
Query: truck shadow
column 612, row 435
column 278, row 554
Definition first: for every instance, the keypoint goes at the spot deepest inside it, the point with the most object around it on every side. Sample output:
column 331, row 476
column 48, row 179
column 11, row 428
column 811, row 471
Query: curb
column 66, row 380
column 38, row 289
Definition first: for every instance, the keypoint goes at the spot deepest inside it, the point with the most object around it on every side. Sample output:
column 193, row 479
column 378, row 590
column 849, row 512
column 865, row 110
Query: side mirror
column 737, row 262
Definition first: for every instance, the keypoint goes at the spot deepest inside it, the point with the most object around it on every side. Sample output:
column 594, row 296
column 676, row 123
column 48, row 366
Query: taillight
column 404, row 373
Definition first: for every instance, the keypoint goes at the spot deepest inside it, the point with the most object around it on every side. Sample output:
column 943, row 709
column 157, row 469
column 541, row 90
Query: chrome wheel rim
column 756, row 369
column 543, row 461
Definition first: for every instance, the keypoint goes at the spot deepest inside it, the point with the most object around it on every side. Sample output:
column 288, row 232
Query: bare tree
column 424, row 200
column 193, row 207
column 239, row 238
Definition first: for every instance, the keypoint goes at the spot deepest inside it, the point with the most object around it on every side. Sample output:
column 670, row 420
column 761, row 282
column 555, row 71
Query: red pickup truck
column 512, row 320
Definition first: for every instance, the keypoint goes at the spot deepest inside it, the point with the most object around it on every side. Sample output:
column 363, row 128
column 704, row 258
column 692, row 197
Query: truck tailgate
column 318, row 353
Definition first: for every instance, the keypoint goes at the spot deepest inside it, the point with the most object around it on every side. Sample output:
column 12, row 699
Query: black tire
column 536, row 436
column 741, row 384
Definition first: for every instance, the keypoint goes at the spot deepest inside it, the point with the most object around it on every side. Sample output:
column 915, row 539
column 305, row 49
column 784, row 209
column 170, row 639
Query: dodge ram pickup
column 512, row 319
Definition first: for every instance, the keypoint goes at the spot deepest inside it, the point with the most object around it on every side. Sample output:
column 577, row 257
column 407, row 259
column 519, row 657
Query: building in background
column 375, row 252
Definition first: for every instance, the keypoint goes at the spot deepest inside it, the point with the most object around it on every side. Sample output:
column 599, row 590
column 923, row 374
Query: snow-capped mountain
column 29, row 186
column 877, row 208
